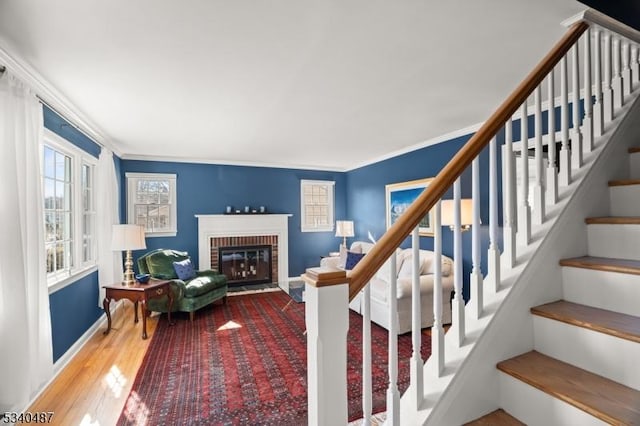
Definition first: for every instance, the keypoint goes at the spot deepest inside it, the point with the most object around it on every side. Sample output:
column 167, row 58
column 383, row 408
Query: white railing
column 595, row 46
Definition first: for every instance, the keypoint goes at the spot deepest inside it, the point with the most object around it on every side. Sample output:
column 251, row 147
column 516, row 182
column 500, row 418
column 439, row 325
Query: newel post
column 327, row 321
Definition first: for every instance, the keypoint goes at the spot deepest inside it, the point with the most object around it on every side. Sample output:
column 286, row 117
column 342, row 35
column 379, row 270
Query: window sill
column 160, row 234
column 75, row 276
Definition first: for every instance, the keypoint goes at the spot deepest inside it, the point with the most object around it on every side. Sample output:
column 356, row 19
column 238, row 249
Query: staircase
column 547, row 337
column 583, row 369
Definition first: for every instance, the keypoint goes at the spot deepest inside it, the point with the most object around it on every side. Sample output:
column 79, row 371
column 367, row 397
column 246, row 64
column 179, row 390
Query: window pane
column 49, row 194
column 49, row 162
column 67, row 196
column 50, row 253
column 50, row 226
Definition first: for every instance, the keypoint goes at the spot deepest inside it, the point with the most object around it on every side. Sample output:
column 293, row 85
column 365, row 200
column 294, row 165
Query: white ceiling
column 314, row 84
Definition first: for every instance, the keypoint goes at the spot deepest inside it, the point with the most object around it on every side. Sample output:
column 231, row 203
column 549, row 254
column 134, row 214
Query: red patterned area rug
column 244, row 363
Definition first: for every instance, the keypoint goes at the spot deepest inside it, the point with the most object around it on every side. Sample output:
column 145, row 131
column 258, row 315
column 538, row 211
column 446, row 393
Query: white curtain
column 26, row 360
column 107, row 207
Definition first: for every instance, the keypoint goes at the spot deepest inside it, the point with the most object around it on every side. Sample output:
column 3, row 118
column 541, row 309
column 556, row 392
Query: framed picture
column 399, row 197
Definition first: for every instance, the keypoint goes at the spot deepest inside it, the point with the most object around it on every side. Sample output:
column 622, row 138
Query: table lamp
column 344, row 229
column 128, row 237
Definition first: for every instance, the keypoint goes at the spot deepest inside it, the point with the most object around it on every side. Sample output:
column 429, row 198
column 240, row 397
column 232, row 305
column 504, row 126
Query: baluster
column 458, row 321
column 393, row 396
column 416, row 364
column 437, row 331
column 476, row 282
column 576, row 135
column 598, row 109
column 524, row 216
column 367, row 404
column 607, row 92
column 508, row 188
column 635, row 66
column 538, row 186
column 494, row 250
column 587, row 121
column 552, row 170
column 626, row 70
column 616, row 81
column 564, row 177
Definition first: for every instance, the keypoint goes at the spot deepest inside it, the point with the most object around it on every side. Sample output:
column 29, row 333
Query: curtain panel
column 25, row 322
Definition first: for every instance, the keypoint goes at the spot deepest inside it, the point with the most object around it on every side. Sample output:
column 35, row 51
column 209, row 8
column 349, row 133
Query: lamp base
column 129, row 277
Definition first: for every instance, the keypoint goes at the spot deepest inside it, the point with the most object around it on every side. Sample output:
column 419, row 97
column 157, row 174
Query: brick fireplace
column 243, row 272
column 242, row 230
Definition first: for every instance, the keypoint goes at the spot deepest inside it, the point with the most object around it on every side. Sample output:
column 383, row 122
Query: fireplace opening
column 246, row 265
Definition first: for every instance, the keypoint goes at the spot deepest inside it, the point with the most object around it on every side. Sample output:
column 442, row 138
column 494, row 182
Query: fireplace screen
column 245, row 265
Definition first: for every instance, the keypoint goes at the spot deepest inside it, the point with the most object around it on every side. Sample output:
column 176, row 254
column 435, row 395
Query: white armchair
column 380, row 287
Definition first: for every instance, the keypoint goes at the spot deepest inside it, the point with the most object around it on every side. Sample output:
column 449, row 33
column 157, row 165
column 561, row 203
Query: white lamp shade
column 466, row 212
column 344, row 228
column 128, row 237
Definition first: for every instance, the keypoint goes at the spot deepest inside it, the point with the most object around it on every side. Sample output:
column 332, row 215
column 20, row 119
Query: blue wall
column 209, row 188
column 366, row 195
column 74, row 308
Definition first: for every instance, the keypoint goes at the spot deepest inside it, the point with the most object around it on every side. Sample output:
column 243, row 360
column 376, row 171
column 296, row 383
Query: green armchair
column 189, row 295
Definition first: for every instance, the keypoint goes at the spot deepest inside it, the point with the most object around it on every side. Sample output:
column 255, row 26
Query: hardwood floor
column 93, row 387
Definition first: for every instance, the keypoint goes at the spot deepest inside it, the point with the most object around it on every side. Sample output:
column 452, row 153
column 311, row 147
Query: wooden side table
column 137, row 293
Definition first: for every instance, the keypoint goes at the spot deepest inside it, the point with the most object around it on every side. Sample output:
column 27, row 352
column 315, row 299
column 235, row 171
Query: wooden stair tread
column 623, row 182
column 625, row 266
column 605, row 399
column 608, row 322
column 613, row 220
column 634, row 149
column 496, row 418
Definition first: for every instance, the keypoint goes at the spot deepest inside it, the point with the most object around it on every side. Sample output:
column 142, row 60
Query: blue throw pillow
column 352, row 260
column 184, row 269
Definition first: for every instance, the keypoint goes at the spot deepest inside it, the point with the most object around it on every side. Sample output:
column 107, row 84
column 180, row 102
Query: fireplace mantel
column 232, row 225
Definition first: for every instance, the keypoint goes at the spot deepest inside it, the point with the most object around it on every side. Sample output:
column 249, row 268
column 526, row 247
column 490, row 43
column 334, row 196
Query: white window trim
column 131, row 178
column 330, row 226
column 59, row 280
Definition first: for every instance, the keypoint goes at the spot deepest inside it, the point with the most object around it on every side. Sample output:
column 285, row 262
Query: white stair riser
column 618, row 241
column 634, row 160
column 599, row 353
column 534, row 407
column 601, row 289
column 625, row 200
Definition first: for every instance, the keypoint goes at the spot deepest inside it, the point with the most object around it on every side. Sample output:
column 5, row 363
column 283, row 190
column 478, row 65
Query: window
column 69, row 215
column 317, row 210
column 151, row 202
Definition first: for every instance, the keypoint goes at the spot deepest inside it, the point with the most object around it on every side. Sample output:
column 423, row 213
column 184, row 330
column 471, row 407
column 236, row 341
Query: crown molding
column 230, row 163
column 54, row 99
column 433, row 141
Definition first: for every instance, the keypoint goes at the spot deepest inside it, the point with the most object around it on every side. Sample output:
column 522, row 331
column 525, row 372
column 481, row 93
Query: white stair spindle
column 564, row 177
column 437, row 331
column 524, row 210
column 508, row 188
column 635, row 67
column 493, row 259
column 607, row 92
column 538, row 186
column 576, row 135
column 552, row 171
column 458, row 321
column 476, row 280
column 367, row 392
column 416, row 363
column 587, row 120
column 626, row 70
column 616, row 80
column 393, row 395
column 598, row 108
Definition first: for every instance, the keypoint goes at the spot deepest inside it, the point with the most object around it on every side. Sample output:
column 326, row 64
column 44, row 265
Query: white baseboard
column 64, row 360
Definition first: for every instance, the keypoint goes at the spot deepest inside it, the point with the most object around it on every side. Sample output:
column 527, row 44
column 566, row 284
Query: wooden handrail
column 392, row 239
